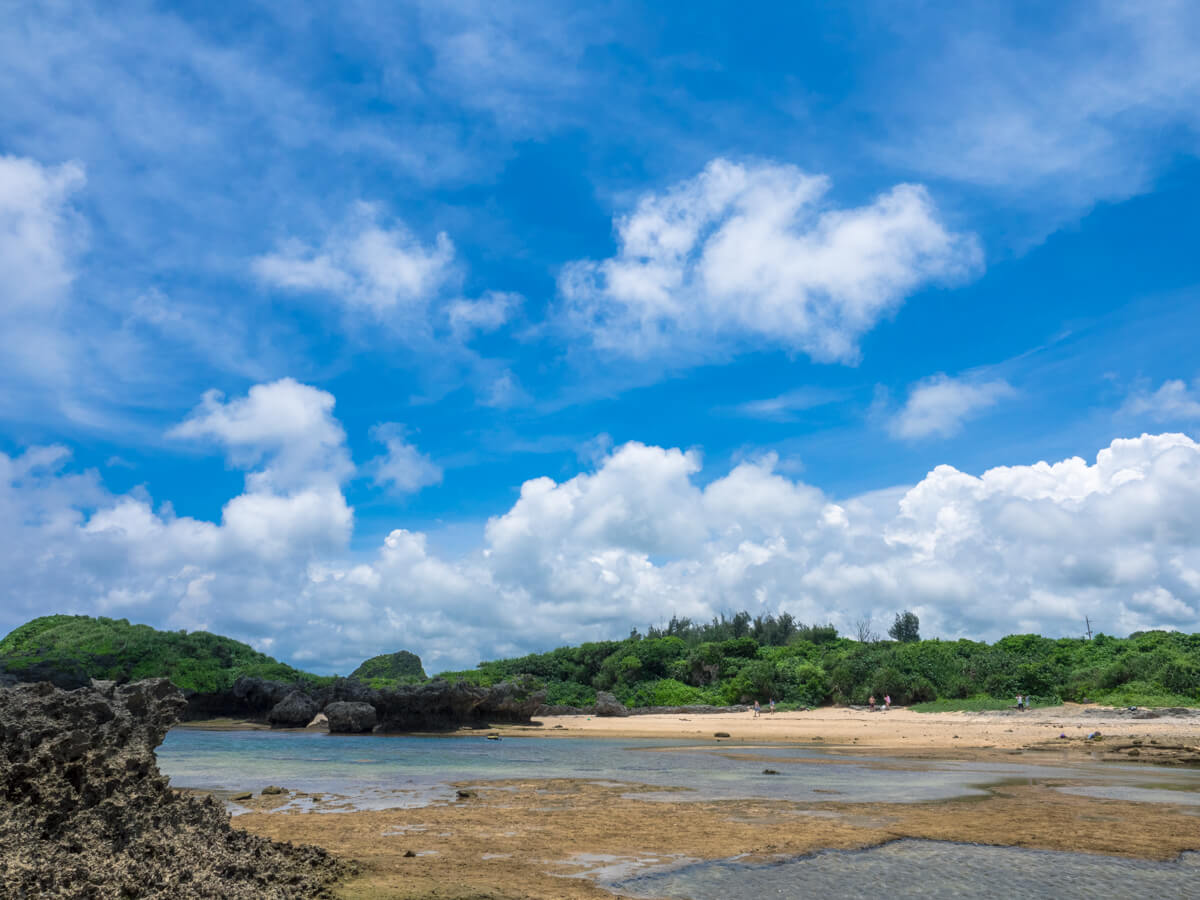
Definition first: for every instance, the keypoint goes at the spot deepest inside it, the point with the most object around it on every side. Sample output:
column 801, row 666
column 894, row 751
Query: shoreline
column 543, row 838
column 1053, row 733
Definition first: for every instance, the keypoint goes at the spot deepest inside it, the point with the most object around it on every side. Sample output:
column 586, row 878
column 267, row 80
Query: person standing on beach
column 757, row 709
column 871, row 701
column 772, row 704
column 1020, row 703
column 887, row 702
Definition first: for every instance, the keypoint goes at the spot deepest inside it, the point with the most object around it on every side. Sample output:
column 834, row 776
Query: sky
column 477, row 329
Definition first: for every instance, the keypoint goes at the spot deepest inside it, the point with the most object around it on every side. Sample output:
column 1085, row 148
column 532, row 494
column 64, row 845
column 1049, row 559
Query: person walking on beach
column 871, row 701
column 772, row 704
column 1020, row 703
column 757, row 709
column 887, row 702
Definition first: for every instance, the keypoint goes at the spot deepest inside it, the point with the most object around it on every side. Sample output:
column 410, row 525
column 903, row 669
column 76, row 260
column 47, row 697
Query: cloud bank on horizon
column 476, row 330
column 634, row 540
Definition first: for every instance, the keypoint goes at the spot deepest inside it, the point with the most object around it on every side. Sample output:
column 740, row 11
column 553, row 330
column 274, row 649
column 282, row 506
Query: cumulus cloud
column 288, row 425
column 366, row 266
column 403, row 468
column 1174, row 401
column 939, row 405
column 637, row 537
column 756, row 252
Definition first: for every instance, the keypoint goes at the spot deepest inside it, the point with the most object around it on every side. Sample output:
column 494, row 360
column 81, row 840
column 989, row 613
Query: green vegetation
column 72, row 649
column 391, row 669
column 732, row 659
column 740, row 659
column 973, row 704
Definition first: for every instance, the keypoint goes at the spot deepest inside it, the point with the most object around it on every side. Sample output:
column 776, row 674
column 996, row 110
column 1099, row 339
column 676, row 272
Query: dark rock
column 86, row 812
column 350, row 718
column 440, row 705
column 558, row 709
column 409, row 854
column 608, row 705
column 464, row 794
column 273, row 789
column 770, row 771
column 295, row 710
column 720, row 734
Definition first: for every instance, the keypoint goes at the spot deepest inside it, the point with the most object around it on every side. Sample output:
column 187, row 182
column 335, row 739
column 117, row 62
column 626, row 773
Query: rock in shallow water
column 86, row 812
column 350, row 718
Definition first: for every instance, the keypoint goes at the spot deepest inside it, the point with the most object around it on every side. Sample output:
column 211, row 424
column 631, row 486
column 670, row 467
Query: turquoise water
column 372, row 771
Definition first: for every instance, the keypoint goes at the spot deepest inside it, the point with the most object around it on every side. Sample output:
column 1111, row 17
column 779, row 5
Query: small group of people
column 1024, row 702
column 887, row 702
column 758, row 707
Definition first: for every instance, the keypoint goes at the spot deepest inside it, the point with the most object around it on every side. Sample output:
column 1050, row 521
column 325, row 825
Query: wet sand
column 541, row 838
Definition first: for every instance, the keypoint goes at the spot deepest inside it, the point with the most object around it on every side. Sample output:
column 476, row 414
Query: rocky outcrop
column 295, row 710
column 441, row 705
column 350, row 718
column 86, row 813
column 432, row 706
column 608, row 705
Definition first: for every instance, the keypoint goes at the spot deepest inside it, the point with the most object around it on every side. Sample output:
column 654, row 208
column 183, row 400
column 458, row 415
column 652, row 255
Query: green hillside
column 729, row 660
column 72, row 649
column 740, row 659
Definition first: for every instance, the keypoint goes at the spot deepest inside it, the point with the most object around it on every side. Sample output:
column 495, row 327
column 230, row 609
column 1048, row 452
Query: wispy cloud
column 940, row 405
column 784, row 407
column 1173, row 401
column 1087, row 108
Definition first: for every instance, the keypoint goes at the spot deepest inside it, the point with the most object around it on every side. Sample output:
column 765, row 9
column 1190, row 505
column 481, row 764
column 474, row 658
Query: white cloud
column 939, row 405
column 639, row 536
column 289, row 425
column 386, row 271
column 39, row 231
column 40, row 234
column 746, row 253
column 783, row 408
column 1174, row 401
column 404, row 468
column 488, row 313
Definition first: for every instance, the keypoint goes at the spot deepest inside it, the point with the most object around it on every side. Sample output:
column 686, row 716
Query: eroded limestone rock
column 86, row 813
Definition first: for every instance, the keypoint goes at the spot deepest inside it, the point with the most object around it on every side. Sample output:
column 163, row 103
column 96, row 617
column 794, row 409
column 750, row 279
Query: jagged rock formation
column 608, row 705
column 350, row 718
column 86, row 813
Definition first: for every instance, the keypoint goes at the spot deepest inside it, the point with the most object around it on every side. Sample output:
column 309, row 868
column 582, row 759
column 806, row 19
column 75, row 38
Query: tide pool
column 376, row 772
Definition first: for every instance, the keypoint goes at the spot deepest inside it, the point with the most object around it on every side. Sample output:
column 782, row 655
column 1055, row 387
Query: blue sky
column 476, row 329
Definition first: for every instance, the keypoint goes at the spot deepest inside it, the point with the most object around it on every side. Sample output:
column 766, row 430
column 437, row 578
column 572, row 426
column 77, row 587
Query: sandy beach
column 542, row 837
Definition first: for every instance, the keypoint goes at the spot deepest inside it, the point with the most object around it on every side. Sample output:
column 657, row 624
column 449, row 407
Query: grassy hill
column 71, row 649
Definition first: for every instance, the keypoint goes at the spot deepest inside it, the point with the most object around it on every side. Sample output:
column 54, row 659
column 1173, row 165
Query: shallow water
column 927, row 869
column 380, row 772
